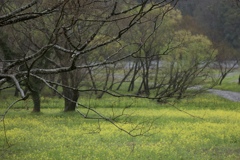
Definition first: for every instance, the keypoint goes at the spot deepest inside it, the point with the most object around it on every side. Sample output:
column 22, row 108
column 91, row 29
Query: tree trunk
column 106, row 83
column 125, row 77
column 239, row 80
column 36, row 101
column 16, row 93
column 156, row 73
column 35, row 86
column 144, row 87
column 132, row 82
column 222, row 78
column 92, row 80
column 71, row 99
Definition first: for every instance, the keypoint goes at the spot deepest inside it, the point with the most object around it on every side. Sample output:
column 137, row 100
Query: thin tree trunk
column 222, row 78
column 125, row 77
column 239, row 80
column 16, row 93
column 156, row 73
column 92, row 80
column 131, row 85
column 106, row 83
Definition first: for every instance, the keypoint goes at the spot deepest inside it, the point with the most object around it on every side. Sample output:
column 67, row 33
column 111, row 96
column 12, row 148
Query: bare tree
column 75, row 32
column 226, row 61
column 14, row 12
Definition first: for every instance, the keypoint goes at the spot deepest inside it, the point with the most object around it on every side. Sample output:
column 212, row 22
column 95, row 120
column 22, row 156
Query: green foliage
column 219, row 20
column 229, row 19
column 192, row 50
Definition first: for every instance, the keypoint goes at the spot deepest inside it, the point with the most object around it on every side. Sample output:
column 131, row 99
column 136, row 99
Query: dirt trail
column 233, row 96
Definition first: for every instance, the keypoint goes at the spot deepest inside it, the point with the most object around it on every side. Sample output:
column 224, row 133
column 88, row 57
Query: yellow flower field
column 199, row 134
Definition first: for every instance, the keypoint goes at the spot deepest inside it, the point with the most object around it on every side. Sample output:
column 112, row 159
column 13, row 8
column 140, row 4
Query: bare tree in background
column 227, row 60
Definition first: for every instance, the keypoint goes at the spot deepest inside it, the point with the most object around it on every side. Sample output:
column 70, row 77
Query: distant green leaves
column 230, row 21
column 192, row 56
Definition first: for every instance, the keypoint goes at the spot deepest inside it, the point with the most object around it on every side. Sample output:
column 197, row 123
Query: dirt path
column 233, row 96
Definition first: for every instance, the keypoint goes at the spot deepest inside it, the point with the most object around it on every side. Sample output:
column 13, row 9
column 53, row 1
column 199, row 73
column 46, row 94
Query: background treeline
column 218, row 19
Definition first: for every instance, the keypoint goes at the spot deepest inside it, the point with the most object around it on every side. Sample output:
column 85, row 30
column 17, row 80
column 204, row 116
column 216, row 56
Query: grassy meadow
column 206, row 127
column 230, row 83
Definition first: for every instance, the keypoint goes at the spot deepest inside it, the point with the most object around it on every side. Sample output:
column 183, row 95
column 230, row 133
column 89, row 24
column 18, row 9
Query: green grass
column 200, row 128
column 230, row 83
column 207, row 128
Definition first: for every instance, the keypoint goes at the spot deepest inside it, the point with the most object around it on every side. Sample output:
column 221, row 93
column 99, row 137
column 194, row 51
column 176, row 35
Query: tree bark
column 70, row 95
column 239, row 80
column 132, row 82
column 71, row 99
column 36, row 101
column 125, row 77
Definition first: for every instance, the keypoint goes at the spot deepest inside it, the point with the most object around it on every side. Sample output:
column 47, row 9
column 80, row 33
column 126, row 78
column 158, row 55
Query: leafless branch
column 18, row 15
